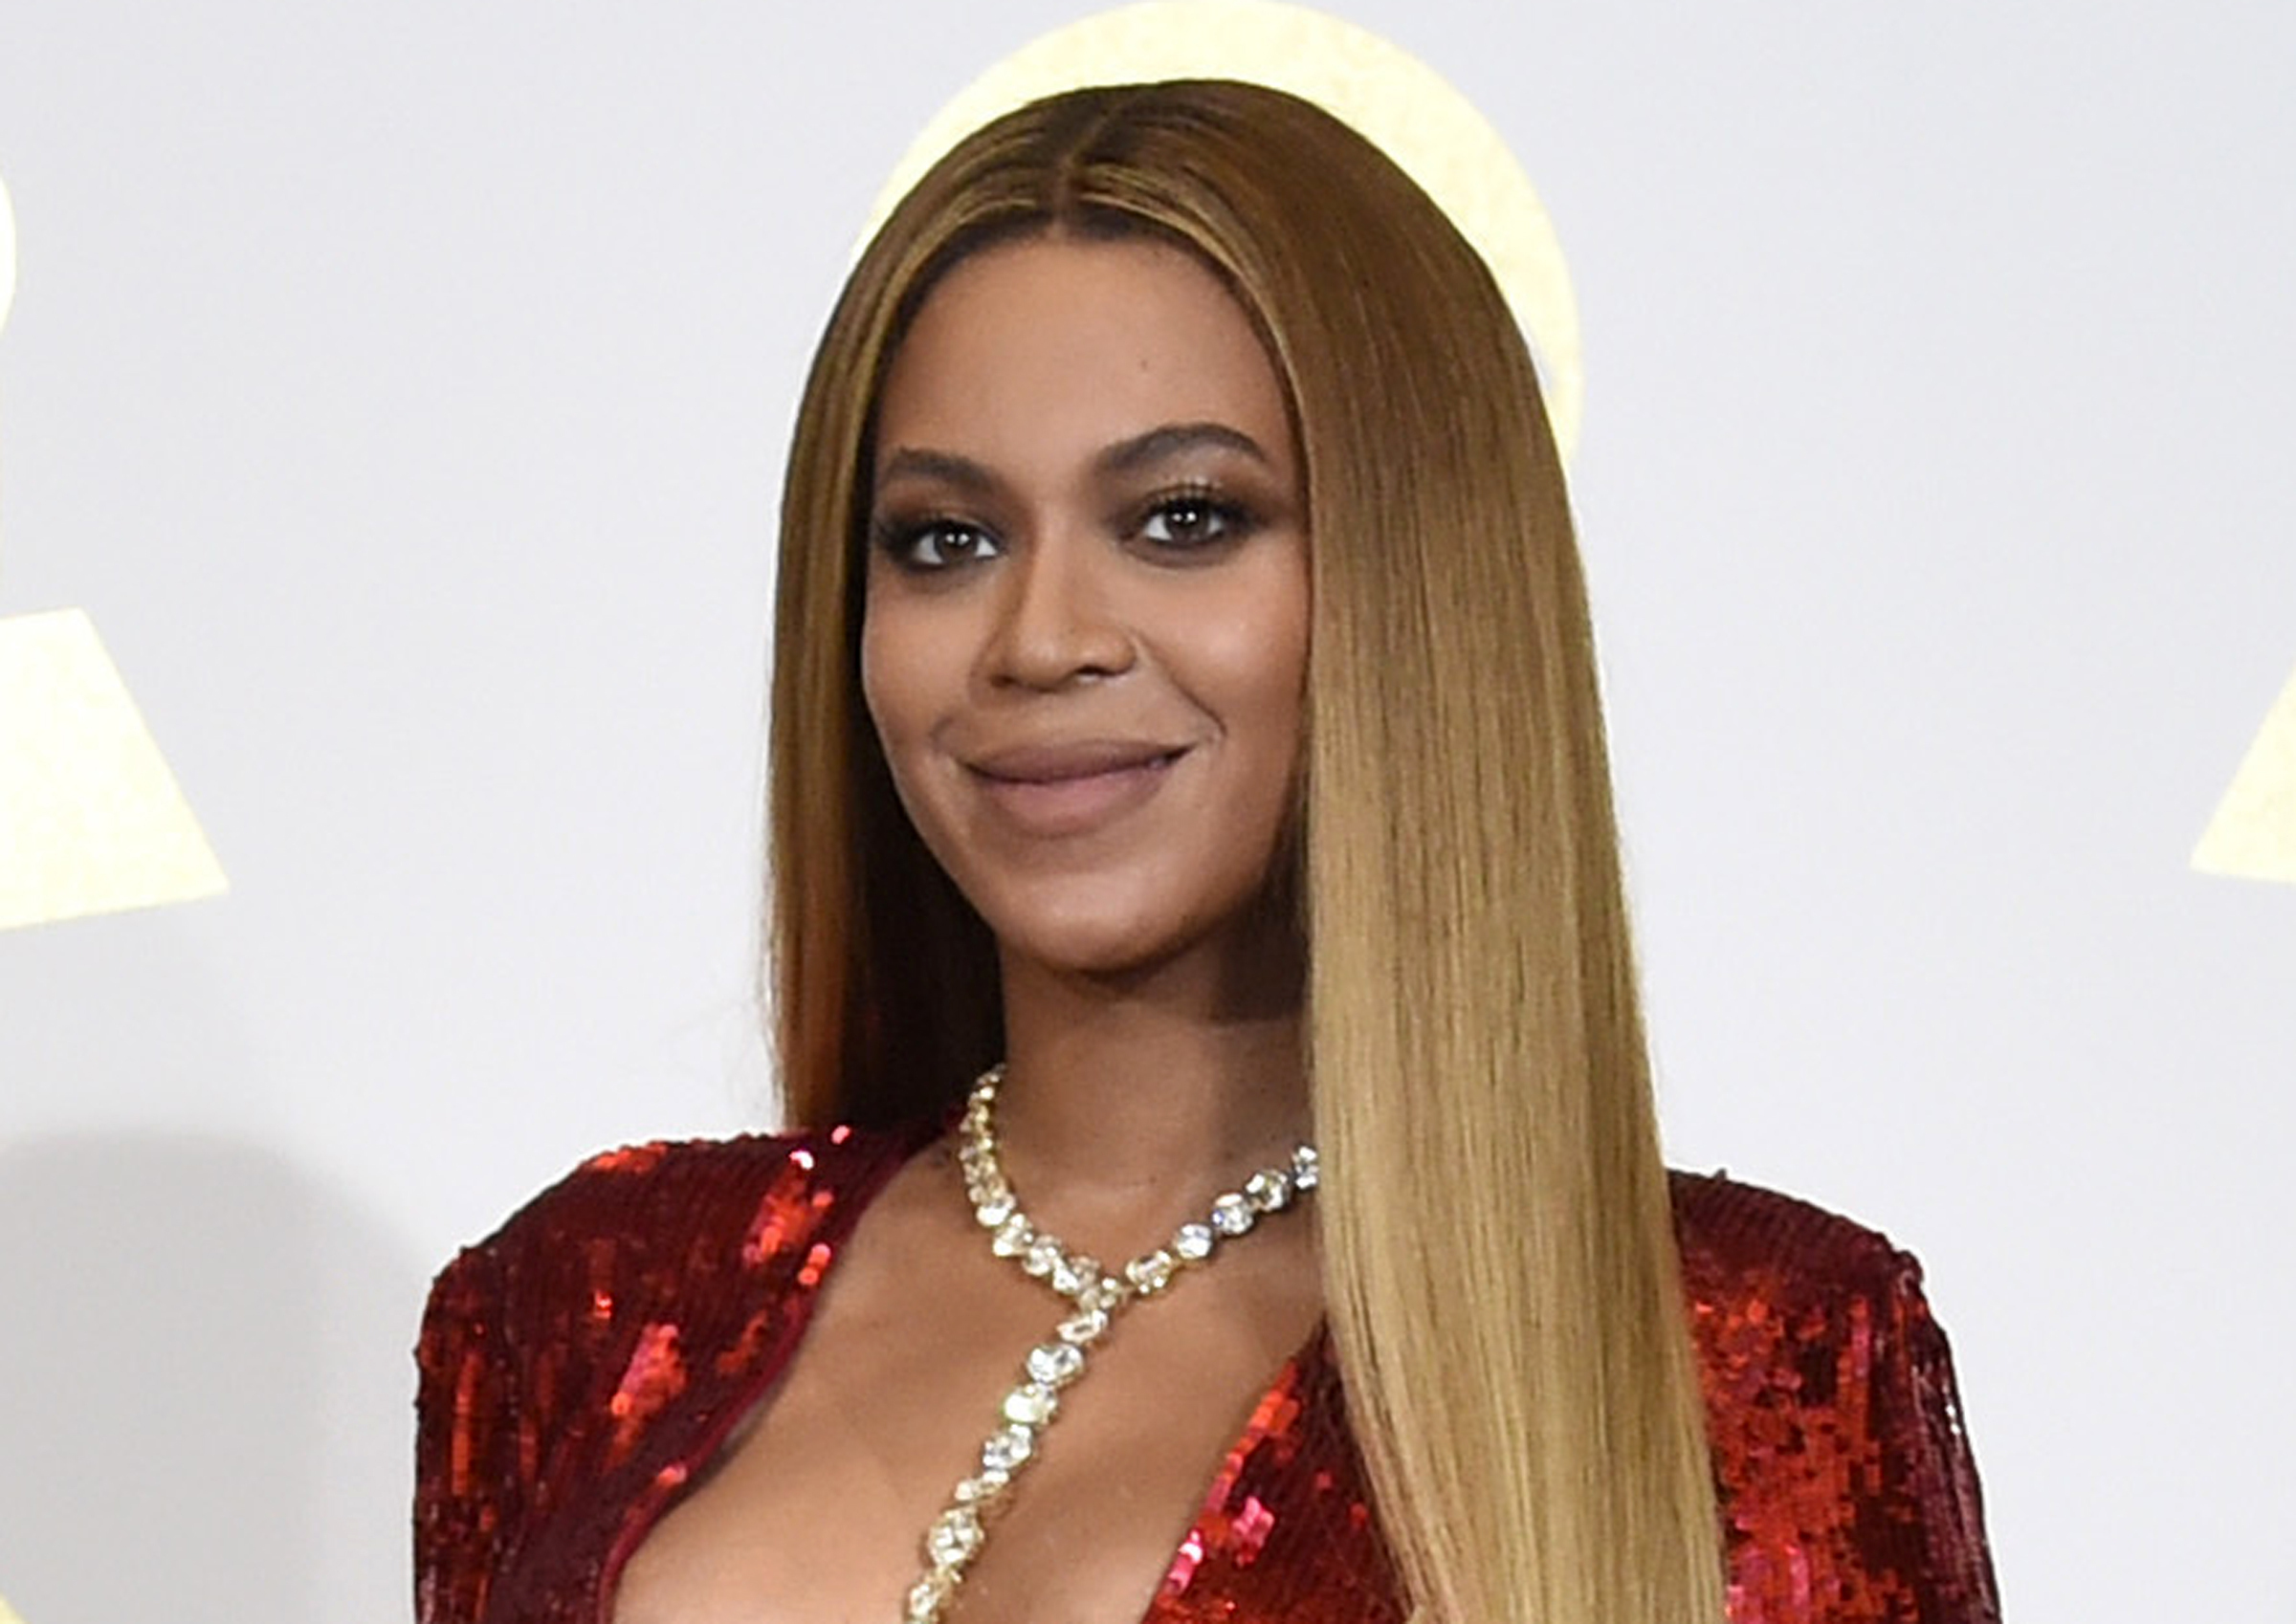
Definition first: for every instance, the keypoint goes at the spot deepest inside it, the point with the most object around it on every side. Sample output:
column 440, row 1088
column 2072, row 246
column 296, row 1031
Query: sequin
column 1251, row 1530
column 581, row 1365
column 631, row 1158
column 782, row 1215
column 1182, row 1572
column 655, row 1375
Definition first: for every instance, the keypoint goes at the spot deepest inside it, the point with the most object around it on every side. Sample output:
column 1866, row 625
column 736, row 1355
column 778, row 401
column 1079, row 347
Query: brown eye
column 1192, row 521
column 934, row 544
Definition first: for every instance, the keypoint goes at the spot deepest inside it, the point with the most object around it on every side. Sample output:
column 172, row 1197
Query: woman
column 1184, row 697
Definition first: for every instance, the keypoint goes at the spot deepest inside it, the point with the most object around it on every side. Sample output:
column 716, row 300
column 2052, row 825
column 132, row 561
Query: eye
column 1193, row 518
column 928, row 544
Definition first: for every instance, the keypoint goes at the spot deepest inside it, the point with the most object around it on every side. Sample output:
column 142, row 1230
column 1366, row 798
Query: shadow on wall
column 204, row 1373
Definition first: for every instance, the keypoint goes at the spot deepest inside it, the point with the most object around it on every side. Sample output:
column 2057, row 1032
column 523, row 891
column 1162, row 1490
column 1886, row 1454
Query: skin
column 1089, row 448
column 1084, row 649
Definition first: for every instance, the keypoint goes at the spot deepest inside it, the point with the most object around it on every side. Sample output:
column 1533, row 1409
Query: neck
column 1150, row 1091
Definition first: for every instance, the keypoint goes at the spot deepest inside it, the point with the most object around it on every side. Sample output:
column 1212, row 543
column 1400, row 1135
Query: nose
column 1059, row 623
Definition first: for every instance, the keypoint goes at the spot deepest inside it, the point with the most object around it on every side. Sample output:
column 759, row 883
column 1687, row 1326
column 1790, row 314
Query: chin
column 1070, row 925
column 1134, row 931
column 1105, row 947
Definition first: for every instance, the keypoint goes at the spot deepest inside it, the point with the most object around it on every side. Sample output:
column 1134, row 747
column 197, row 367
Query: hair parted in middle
column 1501, row 1279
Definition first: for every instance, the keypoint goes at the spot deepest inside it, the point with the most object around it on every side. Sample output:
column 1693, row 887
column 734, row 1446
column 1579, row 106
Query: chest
column 1207, row 1426
column 818, row 1512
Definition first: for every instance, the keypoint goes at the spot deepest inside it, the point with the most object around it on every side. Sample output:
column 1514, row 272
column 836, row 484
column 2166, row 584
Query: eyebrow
column 910, row 463
column 1125, row 456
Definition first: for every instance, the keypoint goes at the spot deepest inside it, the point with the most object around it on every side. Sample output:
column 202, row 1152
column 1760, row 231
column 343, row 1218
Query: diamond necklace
column 1093, row 1297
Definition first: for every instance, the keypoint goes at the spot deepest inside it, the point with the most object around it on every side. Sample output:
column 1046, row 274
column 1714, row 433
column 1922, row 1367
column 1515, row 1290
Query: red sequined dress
column 580, row 1365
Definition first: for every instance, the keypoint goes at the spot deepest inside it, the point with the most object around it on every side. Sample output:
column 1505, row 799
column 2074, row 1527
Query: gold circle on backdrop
column 1387, row 94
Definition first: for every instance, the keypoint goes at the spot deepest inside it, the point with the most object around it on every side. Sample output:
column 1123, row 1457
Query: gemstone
column 1085, row 1325
column 1151, row 1272
column 973, row 1490
column 1012, row 1239
column 1007, row 1449
column 1055, row 1363
column 996, row 1211
column 955, row 1538
column 1304, row 1168
column 1233, row 1214
column 1031, row 1405
column 926, row 1596
column 1268, row 1190
column 1194, row 1242
column 1043, row 1256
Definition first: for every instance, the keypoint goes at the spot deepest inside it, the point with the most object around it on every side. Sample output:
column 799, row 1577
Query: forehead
column 1032, row 353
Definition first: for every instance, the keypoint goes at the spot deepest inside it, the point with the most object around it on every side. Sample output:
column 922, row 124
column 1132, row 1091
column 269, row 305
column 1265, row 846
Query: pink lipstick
column 1074, row 787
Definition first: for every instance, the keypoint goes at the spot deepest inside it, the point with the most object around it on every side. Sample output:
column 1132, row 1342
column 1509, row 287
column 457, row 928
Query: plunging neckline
column 646, row 1511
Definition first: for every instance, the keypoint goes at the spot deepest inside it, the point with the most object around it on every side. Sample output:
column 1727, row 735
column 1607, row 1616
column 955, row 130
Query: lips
column 1064, row 763
column 1073, row 786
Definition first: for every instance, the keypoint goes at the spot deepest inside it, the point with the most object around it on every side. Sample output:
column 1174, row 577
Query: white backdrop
column 402, row 389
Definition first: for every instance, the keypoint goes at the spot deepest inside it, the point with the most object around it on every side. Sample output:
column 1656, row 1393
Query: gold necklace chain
column 1093, row 1297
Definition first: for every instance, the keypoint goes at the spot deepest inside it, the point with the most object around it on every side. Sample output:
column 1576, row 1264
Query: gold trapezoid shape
column 2253, row 835
column 91, row 820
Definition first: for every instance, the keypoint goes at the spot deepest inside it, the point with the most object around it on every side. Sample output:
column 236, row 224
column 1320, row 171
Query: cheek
column 1257, row 657
column 895, row 675
column 913, row 670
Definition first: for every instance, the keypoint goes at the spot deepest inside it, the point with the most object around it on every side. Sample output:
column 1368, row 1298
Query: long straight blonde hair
column 1501, row 1278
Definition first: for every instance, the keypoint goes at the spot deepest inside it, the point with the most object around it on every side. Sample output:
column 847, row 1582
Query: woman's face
column 1085, row 630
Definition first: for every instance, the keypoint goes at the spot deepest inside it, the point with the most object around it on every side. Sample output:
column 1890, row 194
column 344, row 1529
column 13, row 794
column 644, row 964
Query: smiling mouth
column 1066, row 763
column 1071, row 789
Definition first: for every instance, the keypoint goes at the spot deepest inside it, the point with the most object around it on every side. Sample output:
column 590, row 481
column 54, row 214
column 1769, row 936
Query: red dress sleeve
column 1920, row 1421
column 581, row 1363
column 468, row 1476
column 1847, row 1489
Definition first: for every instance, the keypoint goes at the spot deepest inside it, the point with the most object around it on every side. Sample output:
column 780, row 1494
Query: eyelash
column 900, row 537
column 1234, row 520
